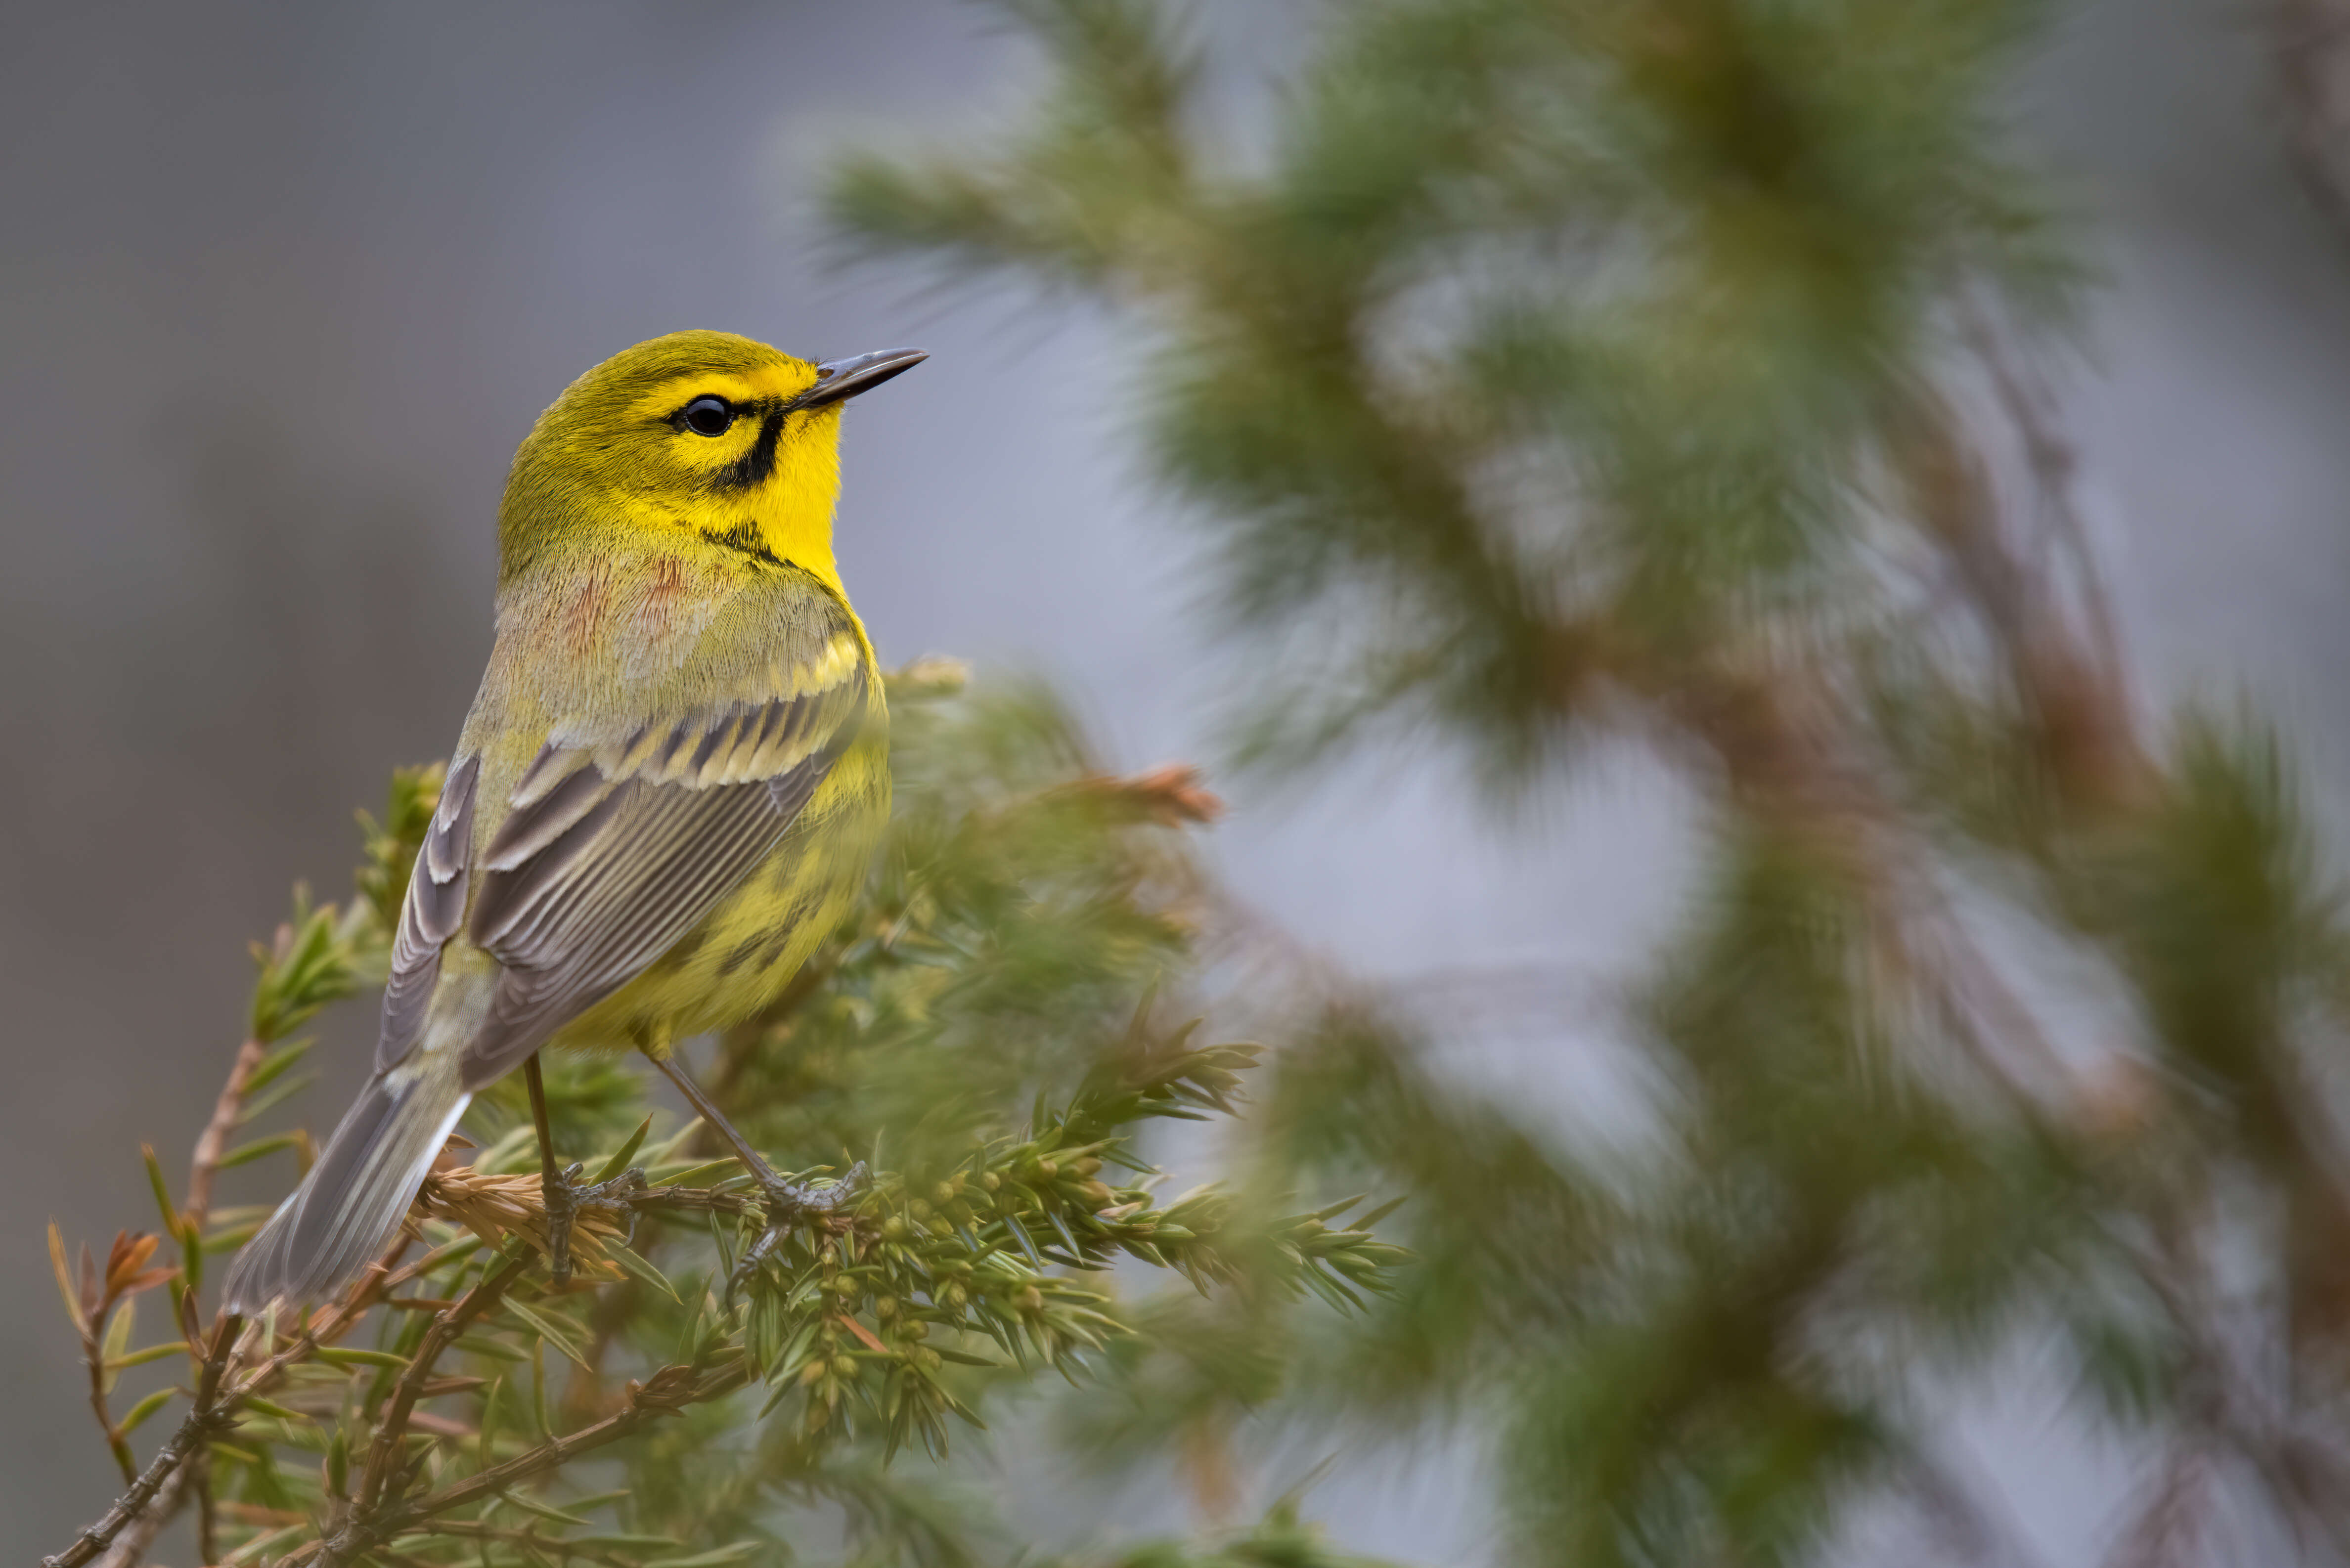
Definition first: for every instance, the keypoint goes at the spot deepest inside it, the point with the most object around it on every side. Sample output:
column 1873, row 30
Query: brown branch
column 199, row 1474
column 204, row 1166
column 94, row 1302
column 93, row 1357
column 131, row 1545
column 210, row 1413
column 391, row 1434
column 330, row 1324
column 2030, row 405
column 145, row 1499
column 2068, row 687
column 213, row 1142
column 156, row 1493
column 394, row 1278
column 669, row 1391
column 2168, row 1527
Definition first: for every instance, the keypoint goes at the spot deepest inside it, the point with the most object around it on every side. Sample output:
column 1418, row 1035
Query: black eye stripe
column 756, row 465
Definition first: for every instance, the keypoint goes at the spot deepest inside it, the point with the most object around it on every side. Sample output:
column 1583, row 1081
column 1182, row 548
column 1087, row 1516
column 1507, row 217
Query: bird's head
column 703, row 433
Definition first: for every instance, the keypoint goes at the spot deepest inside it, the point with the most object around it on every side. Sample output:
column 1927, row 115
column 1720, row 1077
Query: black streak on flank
column 754, row 466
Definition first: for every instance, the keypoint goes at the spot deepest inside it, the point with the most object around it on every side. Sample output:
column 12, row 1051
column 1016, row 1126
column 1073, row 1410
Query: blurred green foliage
column 1564, row 375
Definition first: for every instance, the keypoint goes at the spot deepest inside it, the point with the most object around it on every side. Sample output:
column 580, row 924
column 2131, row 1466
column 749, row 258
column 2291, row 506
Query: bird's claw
column 787, row 1203
column 567, row 1197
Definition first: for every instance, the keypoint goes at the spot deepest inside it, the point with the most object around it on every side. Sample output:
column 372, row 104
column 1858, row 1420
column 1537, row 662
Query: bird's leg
column 786, row 1201
column 563, row 1191
column 554, row 1186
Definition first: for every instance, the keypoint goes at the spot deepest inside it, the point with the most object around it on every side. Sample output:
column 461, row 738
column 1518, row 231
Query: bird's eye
column 709, row 416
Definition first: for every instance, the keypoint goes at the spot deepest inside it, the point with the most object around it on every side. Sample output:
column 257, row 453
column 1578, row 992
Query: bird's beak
column 836, row 379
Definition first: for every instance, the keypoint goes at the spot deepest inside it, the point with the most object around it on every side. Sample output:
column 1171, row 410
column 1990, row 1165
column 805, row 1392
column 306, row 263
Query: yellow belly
column 740, row 958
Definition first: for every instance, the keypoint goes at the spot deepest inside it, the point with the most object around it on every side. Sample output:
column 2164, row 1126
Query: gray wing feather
column 429, row 916
column 593, row 876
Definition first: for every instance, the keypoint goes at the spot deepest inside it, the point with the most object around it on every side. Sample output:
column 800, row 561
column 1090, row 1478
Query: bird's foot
column 568, row 1198
column 787, row 1204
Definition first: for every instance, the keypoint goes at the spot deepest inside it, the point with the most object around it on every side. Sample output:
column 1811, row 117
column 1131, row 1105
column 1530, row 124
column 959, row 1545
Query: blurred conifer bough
column 1559, row 376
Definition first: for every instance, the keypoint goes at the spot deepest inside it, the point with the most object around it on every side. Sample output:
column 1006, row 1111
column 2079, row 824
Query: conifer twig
column 668, row 1392
column 130, row 1547
column 204, row 1166
column 210, row 1412
column 155, row 1495
column 213, row 1142
column 445, row 1327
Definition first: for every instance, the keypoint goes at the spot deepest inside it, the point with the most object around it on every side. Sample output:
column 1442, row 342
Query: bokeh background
column 280, row 289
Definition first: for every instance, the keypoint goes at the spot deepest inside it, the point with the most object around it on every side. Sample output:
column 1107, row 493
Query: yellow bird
column 670, row 786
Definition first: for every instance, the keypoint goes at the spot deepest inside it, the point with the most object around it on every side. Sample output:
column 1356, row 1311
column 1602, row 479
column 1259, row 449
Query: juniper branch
column 209, row 1413
column 383, row 1462
column 203, row 1165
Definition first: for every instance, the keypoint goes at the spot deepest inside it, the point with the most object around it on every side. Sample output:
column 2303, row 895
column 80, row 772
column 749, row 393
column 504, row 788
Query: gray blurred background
column 281, row 287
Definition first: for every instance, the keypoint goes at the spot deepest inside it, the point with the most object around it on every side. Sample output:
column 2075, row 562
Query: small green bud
column 844, row 1366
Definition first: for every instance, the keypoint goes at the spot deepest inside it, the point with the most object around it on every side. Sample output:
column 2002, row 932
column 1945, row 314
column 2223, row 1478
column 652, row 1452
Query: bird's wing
column 430, row 915
column 610, row 851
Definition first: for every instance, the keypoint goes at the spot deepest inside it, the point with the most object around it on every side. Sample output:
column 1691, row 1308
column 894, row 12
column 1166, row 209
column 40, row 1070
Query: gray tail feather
column 339, row 1220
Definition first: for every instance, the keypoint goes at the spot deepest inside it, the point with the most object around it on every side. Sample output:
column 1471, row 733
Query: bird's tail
column 344, row 1210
